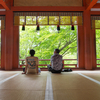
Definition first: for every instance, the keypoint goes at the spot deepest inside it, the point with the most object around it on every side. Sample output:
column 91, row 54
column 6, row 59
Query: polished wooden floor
column 76, row 85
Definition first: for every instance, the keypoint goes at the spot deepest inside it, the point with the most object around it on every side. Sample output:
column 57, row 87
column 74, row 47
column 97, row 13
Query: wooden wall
column 47, row 2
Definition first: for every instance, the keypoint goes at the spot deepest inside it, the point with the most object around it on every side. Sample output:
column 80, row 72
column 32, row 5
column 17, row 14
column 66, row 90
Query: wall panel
column 47, row 2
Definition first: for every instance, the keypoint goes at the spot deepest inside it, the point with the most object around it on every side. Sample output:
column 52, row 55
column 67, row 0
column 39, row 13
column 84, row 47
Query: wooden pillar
column 3, row 45
column 3, row 49
column 81, row 60
column 84, row 2
column 93, row 43
column 87, row 39
column 16, row 47
column 9, row 40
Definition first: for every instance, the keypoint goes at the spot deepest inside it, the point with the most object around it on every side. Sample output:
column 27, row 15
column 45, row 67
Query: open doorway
column 98, row 47
column 0, row 48
column 46, row 40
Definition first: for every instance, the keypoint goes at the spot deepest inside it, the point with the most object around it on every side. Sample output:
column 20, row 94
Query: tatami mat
column 6, row 74
column 72, row 86
column 70, row 80
column 21, row 95
column 77, row 94
column 24, row 87
column 65, row 86
column 94, row 74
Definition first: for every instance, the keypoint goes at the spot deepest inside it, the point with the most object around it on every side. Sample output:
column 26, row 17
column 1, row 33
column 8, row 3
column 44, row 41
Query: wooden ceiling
column 87, row 5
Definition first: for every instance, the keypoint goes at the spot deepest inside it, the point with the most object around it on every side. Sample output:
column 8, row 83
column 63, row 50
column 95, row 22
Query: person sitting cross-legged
column 56, row 62
column 31, row 64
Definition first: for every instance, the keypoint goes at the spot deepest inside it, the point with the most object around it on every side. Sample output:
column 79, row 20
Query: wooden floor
column 76, row 85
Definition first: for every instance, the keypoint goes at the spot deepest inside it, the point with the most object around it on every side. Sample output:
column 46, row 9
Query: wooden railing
column 96, row 60
column 23, row 62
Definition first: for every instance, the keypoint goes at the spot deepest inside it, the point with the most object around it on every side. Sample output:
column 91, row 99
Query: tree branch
column 98, row 38
column 59, row 44
column 66, row 53
column 37, row 44
column 67, row 50
column 67, row 43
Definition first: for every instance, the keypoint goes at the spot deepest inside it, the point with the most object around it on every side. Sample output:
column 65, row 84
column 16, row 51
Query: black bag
column 67, row 70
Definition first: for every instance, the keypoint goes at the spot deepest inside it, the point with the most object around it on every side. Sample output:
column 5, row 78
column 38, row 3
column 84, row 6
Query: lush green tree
column 0, row 47
column 47, row 39
column 98, row 45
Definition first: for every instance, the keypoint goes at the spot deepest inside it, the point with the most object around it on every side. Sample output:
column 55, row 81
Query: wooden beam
column 1, row 7
column 97, row 5
column 47, row 8
column 95, row 12
column 4, row 5
column 91, row 4
column 2, row 12
column 12, row 2
column 84, row 2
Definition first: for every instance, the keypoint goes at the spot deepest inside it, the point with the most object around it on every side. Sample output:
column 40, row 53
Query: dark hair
column 57, row 50
column 32, row 52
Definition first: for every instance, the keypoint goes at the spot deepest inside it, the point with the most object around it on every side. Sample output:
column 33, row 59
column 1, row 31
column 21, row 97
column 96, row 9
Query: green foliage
column 98, row 46
column 46, row 40
column 0, row 48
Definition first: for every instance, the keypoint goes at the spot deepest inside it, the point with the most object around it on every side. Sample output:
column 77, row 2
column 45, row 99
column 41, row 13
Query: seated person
column 56, row 62
column 31, row 63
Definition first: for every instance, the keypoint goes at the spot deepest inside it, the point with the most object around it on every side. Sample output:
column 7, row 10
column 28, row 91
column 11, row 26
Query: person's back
column 32, row 64
column 56, row 61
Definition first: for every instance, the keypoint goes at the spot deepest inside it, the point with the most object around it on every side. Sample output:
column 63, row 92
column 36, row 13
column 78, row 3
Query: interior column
column 93, row 49
column 81, row 60
column 16, row 47
column 87, row 39
column 3, row 49
column 9, row 40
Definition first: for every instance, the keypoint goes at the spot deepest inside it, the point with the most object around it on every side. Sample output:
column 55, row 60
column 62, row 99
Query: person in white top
column 31, row 63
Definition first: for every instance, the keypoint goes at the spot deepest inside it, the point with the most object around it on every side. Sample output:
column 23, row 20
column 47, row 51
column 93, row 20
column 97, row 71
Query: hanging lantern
column 23, row 27
column 72, row 27
column 38, row 28
column 58, row 28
